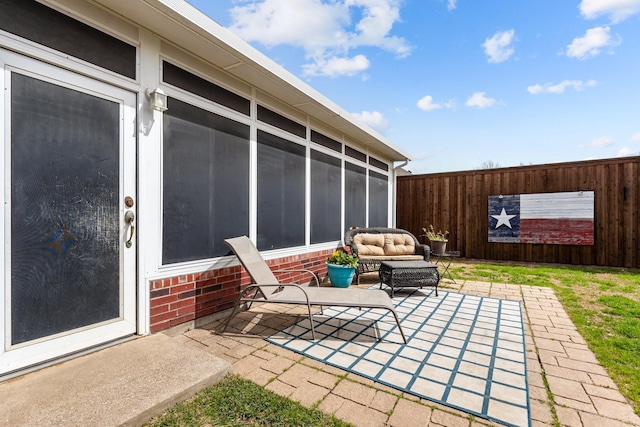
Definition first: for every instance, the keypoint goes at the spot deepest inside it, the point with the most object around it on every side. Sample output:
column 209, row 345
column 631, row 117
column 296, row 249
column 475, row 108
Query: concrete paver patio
column 127, row 383
column 578, row 391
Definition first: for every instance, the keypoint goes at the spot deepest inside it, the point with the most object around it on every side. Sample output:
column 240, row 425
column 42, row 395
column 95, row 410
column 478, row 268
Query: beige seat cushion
column 392, row 258
column 399, row 244
column 369, row 244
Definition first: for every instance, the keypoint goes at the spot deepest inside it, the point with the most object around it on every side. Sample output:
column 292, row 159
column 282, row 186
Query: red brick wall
column 175, row 300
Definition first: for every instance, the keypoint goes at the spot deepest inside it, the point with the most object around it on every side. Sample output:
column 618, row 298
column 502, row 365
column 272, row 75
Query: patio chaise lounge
column 266, row 288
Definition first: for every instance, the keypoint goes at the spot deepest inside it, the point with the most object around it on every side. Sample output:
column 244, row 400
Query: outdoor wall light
column 157, row 99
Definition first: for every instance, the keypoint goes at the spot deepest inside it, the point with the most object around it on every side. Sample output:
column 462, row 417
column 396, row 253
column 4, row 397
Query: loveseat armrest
column 424, row 250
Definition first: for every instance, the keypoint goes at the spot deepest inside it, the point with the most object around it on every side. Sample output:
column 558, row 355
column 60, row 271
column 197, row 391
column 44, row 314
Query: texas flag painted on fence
column 550, row 218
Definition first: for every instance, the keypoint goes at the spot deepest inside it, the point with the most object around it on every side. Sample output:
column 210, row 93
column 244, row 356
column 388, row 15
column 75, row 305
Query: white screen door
column 69, row 254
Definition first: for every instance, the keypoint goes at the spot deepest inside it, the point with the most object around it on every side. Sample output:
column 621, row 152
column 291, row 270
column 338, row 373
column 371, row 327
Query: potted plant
column 341, row 267
column 437, row 239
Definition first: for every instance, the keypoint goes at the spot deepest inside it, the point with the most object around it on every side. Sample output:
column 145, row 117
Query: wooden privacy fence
column 457, row 202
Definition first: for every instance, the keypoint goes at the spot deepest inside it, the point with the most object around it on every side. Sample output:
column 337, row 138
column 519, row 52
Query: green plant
column 433, row 235
column 340, row 257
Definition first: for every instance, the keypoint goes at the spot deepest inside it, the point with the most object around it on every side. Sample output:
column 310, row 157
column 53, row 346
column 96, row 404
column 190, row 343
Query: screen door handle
column 129, row 217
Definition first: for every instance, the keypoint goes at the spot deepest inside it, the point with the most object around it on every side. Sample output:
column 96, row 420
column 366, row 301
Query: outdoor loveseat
column 375, row 245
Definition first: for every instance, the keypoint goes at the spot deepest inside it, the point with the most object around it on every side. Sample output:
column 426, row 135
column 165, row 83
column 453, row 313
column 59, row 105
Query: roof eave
column 183, row 24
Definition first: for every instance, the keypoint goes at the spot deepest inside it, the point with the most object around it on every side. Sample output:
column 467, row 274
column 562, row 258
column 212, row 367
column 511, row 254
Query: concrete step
column 126, row 384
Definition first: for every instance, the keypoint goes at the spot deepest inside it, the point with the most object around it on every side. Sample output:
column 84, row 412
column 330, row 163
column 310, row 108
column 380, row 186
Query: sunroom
column 116, row 209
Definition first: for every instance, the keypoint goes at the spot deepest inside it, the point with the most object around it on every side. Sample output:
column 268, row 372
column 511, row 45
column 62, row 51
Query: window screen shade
column 377, row 163
column 281, row 192
column 41, row 24
column 326, row 196
column 274, row 119
column 197, row 85
column 355, row 196
column 325, row 141
column 353, row 153
column 205, row 183
column 378, row 199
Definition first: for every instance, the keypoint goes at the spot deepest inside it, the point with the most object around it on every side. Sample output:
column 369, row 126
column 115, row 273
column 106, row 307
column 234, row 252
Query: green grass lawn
column 235, row 401
column 603, row 303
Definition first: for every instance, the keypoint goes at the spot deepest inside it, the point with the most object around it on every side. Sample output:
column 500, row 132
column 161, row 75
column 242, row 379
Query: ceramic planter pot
column 438, row 246
column 340, row 276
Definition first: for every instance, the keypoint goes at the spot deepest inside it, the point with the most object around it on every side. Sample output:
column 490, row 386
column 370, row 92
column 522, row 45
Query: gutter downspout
column 395, row 189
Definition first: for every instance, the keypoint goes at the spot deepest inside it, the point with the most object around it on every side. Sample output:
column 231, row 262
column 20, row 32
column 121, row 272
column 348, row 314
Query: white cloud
column 636, row 137
column 591, row 43
column 560, row 87
column 480, row 100
column 451, row 4
column 333, row 67
column 626, row 151
column 327, row 30
column 378, row 17
column 617, row 10
column 498, row 48
column 601, row 142
column 427, row 104
column 373, row 119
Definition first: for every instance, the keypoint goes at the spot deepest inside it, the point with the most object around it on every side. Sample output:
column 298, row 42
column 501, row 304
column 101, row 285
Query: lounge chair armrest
column 260, row 288
column 286, row 285
column 314, row 275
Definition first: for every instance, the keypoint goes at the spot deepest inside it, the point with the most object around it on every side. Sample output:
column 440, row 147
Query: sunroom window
column 378, row 199
column 355, row 196
column 326, row 194
column 281, row 192
column 205, row 183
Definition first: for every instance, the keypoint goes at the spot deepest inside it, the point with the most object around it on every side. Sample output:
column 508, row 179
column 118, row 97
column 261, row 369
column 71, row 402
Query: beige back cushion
column 399, row 244
column 369, row 244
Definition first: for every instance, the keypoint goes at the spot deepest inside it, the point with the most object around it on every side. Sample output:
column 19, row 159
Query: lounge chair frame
column 266, row 288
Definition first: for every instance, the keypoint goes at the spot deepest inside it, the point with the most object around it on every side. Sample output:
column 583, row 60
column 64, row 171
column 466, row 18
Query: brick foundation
column 179, row 299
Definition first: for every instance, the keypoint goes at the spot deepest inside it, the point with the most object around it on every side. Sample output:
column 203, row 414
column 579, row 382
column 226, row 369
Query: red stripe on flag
column 557, row 231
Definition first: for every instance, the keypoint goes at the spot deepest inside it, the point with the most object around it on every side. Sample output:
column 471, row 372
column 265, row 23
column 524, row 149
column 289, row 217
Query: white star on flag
column 503, row 218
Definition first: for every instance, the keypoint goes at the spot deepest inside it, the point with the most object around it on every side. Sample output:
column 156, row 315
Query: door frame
column 38, row 351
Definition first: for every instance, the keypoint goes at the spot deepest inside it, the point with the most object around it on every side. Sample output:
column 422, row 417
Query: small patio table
column 400, row 274
column 444, row 259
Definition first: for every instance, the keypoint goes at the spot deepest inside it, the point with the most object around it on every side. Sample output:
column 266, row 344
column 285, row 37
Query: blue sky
column 460, row 83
